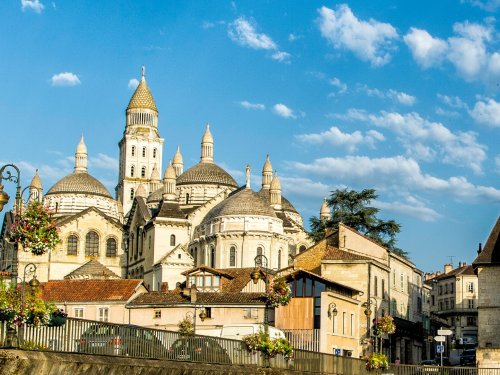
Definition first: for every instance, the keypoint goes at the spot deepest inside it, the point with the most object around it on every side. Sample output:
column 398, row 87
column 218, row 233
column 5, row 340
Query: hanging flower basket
column 35, row 229
column 261, row 342
column 376, row 361
column 279, row 293
column 186, row 327
column 385, row 325
column 7, row 315
column 57, row 318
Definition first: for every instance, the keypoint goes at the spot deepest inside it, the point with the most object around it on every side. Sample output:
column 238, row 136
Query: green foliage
column 376, row 361
column 31, row 345
column 186, row 327
column 261, row 342
column 279, row 293
column 353, row 209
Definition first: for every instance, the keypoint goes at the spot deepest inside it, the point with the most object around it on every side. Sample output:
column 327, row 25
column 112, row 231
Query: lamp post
column 6, row 174
column 332, row 313
column 261, row 265
column 371, row 301
column 29, row 269
column 192, row 315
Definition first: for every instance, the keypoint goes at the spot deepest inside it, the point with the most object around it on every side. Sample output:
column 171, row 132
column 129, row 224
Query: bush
column 261, row 342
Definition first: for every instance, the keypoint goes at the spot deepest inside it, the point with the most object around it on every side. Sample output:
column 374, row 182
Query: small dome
column 285, row 203
column 242, row 203
column 170, row 172
column 81, row 148
column 178, row 156
column 155, row 175
column 36, row 182
column 207, row 137
column 79, row 183
column 325, row 209
column 275, row 183
column 142, row 97
column 267, row 165
column 206, row 173
column 141, row 191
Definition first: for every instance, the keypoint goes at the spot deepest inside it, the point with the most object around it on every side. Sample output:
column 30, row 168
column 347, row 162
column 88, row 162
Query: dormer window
column 205, row 281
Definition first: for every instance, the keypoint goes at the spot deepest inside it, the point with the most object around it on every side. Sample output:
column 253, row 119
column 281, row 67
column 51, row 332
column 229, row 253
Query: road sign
column 337, row 351
column 445, row 332
column 439, row 348
column 440, row 338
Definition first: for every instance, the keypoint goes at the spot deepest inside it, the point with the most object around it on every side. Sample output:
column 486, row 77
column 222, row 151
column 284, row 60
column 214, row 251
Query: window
column 375, row 289
column 212, row 257
column 446, row 289
column 132, row 150
column 259, row 255
column 143, row 172
column 452, row 303
column 144, row 152
column 440, row 289
column 232, row 256
column 352, row 325
column 470, row 287
column 279, row 258
column 157, row 314
column 187, row 198
column 78, row 312
column 302, row 248
column 343, row 323
column 251, row 313
column 172, row 240
column 446, row 305
column 154, row 153
column 92, row 244
column 401, row 282
column 132, row 171
column 471, row 320
column 208, row 312
column 103, row 314
column 471, row 304
column 111, row 247
column 383, row 288
column 451, row 288
column 131, row 193
column 408, row 284
column 72, row 245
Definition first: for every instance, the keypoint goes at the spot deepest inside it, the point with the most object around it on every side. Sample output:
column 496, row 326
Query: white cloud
column 103, row 161
column 426, row 50
column 281, row 56
column 398, row 96
column 398, row 173
column 247, row 105
column 133, row 83
column 350, row 141
column 443, row 112
column 411, row 207
column 304, row 186
column 497, row 163
column 452, row 101
column 65, row 79
column 293, row 37
column 340, row 85
column 369, row 40
column 243, row 32
column 34, row 5
column 487, row 112
column 468, row 50
column 283, row 111
column 488, row 5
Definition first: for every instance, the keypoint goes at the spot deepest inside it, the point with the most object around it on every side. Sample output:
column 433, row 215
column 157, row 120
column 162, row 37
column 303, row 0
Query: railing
column 303, row 339
column 92, row 337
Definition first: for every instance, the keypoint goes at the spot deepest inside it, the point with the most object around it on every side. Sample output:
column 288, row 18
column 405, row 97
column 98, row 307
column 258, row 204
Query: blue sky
column 398, row 96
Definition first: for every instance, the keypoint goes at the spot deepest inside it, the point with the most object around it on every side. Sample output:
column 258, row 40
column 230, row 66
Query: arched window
column 172, row 240
column 132, row 171
column 302, row 248
column 212, row 257
column 259, row 257
column 187, row 198
column 154, row 152
column 72, row 245
column 279, row 258
column 92, row 244
column 131, row 193
column 144, row 152
column 132, row 150
column 111, row 247
column 232, row 256
column 143, row 172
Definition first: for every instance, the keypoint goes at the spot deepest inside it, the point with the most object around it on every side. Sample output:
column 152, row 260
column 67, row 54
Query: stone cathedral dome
column 79, row 183
column 206, row 173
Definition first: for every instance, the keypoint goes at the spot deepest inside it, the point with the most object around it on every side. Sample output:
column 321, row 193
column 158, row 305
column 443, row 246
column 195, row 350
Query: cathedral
column 157, row 227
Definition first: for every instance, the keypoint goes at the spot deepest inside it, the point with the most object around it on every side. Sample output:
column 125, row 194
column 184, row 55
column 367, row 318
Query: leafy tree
column 353, row 209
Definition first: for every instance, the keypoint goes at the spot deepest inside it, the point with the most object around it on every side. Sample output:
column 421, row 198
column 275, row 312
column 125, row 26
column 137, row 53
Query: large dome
column 206, row 173
column 79, row 183
column 244, row 202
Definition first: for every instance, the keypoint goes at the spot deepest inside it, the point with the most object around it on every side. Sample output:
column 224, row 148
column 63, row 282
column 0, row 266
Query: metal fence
column 91, row 337
column 304, row 339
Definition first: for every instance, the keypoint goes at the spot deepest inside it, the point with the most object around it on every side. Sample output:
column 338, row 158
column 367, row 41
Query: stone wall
column 488, row 358
column 19, row 362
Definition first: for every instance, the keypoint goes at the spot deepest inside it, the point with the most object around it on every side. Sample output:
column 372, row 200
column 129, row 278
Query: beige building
column 487, row 268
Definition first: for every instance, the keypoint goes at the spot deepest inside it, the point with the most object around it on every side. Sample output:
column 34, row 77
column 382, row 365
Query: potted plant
column 376, row 361
column 57, row 318
column 35, row 229
column 261, row 342
column 278, row 293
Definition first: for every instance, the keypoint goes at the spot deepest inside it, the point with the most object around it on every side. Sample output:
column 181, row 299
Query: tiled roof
column 174, row 297
column 206, row 173
column 311, row 258
column 89, row 290
column 170, row 210
column 334, row 253
column 463, row 270
column 79, row 183
column 93, row 270
column 142, row 97
column 491, row 250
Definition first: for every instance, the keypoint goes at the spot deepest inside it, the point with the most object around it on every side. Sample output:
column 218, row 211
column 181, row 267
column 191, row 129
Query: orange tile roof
column 89, row 290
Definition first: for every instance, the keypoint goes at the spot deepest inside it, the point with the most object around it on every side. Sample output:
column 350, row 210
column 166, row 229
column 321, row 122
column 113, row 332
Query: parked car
column 199, row 349
column 120, row 340
column 468, row 357
column 429, row 362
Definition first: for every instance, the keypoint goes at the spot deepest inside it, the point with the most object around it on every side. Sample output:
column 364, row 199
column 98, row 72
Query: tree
column 353, row 209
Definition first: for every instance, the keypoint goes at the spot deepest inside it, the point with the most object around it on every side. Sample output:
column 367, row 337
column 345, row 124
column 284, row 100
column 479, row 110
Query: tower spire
column 207, row 146
column 143, row 72
column 81, row 157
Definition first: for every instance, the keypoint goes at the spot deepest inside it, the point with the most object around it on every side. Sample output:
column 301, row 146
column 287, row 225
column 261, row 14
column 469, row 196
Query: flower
column 261, row 342
column 186, row 327
column 385, row 325
column 376, row 361
column 35, row 229
column 279, row 293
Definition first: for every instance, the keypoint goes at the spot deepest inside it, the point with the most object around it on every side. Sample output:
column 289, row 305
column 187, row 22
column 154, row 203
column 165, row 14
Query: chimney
column 480, row 248
column 459, row 264
column 447, row 268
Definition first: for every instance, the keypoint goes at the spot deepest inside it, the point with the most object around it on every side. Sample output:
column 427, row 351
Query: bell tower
column 140, row 147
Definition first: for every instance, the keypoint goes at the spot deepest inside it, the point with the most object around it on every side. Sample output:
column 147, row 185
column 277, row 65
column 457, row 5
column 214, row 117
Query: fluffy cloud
column 340, row 85
column 281, row 56
column 350, row 141
column 411, row 207
column 304, row 186
column 369, row 40
column 487, row 112
column 34, row 5
column 398, row 96
column 452, row 101
column 65, row 79
column 396, row 172
column 489, row 5
column 133, row 83
column 283, row 111
column 468, row 50
column 247, row 105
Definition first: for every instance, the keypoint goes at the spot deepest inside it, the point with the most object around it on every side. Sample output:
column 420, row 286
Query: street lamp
column 6, row 174
column 332, row 310
column 368, row 312
column 29, row 269
column 261, row 265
